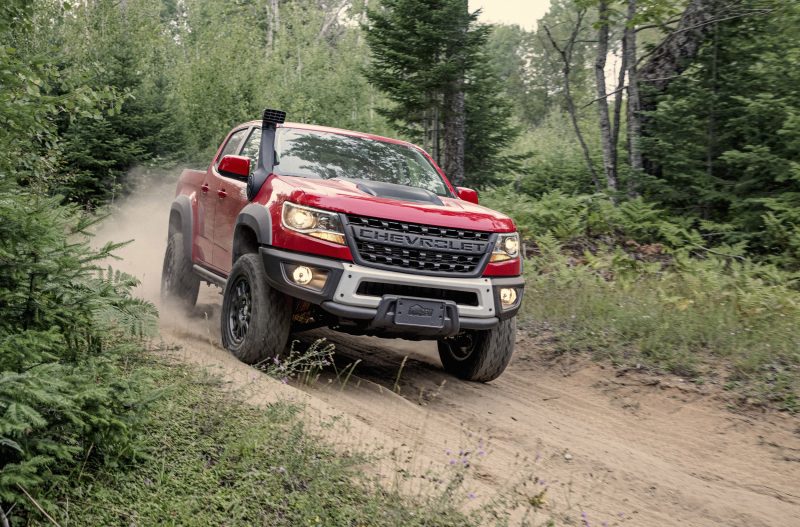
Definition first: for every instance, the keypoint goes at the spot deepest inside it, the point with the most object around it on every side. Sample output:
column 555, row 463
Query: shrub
column 64, row 325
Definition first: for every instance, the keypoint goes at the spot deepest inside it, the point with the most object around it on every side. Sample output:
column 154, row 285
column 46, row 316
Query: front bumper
column 369, row 296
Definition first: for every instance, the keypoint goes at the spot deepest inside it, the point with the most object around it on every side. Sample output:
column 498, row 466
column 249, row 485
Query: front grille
column 464, row 298
column 465, row 251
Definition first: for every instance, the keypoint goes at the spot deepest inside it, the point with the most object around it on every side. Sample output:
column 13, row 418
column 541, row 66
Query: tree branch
column 620, row 88
column 330, row 19
column 660, row 25
column 698, row 26
column 566, row 57
column 36, row 503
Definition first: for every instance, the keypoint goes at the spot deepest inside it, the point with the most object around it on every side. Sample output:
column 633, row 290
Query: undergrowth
column 214, row 460
column 715, row 318
column 631, row 284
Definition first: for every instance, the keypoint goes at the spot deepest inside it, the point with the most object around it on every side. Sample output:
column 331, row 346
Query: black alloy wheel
column 255, row 318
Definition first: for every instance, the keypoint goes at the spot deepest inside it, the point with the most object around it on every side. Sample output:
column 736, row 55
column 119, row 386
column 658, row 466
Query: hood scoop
column 395, row 191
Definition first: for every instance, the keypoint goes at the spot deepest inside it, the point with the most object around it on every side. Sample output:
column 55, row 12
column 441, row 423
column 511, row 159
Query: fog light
column 306, row 277
column 302, row 275
column 508, row 296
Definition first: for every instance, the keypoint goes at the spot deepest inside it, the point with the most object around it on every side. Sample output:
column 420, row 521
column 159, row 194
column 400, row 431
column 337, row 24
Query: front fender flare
column 257, row 218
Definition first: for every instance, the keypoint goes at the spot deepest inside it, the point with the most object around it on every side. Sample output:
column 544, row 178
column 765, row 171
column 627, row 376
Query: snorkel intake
column 266, row 152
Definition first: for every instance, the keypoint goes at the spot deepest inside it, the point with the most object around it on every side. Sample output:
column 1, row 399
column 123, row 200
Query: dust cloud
column 142, row 218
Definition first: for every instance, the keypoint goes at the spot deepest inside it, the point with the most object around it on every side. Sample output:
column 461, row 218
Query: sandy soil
column 619, row 450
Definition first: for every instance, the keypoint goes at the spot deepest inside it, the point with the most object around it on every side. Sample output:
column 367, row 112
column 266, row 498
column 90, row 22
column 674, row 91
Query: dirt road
column 610, row 450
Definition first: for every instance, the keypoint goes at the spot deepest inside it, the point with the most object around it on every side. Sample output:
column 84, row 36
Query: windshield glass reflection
column 326, row 155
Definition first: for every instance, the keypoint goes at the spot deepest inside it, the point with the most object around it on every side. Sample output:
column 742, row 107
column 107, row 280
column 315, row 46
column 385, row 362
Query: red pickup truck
column 306, row 226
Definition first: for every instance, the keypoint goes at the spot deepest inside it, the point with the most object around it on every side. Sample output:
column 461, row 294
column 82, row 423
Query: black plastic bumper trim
column 478, row 323
column 518, row 283
column 368, row 313
column 351, row 312
column 274, row 260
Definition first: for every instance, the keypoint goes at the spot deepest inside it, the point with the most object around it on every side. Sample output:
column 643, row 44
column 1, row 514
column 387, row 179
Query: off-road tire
column 255, row 318
column 479, row 355
column 179, row 284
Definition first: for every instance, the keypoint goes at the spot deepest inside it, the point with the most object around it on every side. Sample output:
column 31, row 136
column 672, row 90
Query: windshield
column 326, row 155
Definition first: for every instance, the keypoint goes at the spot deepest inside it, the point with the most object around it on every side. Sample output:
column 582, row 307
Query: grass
column 213, row 460
column 713, row 319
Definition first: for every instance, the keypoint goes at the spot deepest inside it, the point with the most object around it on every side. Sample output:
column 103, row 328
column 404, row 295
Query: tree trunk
column 330, row 17
column 455, row 133
column 634, row 104
column 435, row 149
column 602, row 97
column 273, row 21
column 675, row 53
column 615, row 127
column 454, row 117
column 362, row 21
column 711, row 128
column 670, row 59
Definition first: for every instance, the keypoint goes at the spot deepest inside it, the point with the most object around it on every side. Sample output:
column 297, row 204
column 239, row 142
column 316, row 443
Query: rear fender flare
column 182, row 206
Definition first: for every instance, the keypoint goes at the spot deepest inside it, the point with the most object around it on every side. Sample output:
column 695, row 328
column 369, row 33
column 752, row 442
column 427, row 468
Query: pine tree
column 428, row 57
column 99, row 152
column 725, row 134
column 63, row 327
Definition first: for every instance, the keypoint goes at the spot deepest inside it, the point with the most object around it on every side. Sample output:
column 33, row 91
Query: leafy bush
column 680, row 317
column 64, row 327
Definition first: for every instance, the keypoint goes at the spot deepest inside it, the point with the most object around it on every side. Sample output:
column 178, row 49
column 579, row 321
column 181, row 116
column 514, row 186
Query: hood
column 394, row 202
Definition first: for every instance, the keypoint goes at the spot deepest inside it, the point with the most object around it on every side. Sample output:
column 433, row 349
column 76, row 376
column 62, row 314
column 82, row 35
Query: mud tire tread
column 270, row 319
column 492, row 353
column 184, row 286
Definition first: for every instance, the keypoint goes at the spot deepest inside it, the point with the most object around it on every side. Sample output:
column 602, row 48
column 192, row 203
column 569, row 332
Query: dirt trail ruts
column 624, row 453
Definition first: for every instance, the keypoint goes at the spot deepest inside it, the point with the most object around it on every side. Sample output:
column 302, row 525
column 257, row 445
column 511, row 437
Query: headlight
column 320, row 224
column 506, row 247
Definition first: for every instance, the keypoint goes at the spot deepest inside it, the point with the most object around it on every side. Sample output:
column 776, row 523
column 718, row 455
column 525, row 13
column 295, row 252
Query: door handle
column 204, row 187
column 221, row 193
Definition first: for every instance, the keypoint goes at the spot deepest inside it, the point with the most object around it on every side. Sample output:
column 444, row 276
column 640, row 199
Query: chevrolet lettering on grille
column 417, row 241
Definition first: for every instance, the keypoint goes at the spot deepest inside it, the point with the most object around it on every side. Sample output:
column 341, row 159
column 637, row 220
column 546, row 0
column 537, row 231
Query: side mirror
column 467, row 194
column 235, row 166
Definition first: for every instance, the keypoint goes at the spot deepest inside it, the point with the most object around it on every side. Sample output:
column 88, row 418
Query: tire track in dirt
column 621, row 452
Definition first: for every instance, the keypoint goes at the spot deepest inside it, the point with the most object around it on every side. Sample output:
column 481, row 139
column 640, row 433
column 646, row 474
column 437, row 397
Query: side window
column 251, row 147
column 232, row 146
